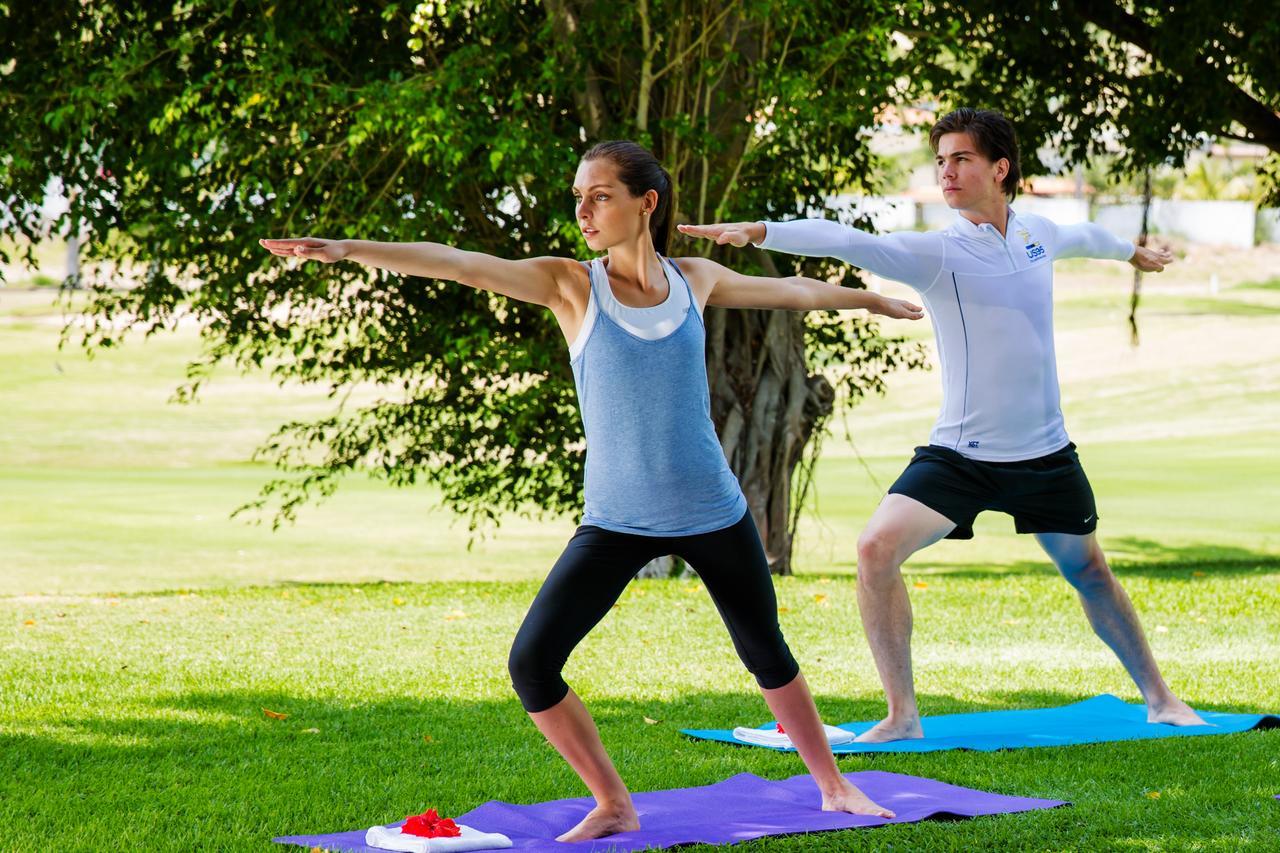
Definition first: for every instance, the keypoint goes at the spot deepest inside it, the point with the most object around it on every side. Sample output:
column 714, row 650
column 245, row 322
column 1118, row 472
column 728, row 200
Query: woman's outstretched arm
column 540, row 281
column 730, row 289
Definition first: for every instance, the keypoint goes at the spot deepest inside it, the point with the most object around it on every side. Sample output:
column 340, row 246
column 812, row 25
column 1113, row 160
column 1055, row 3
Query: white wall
column 1064, row 211
column 888, row 213
column 1223, row 223
column 936, row 214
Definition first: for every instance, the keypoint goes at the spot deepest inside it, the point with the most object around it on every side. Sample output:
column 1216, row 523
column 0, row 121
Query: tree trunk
column 1135, row 295
column 765, row 406
column 764, row 403
column 664, row 567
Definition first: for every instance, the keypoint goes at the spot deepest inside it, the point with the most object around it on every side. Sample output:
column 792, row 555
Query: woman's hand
column 899, row 309
column 733, row 233
column 308, row 248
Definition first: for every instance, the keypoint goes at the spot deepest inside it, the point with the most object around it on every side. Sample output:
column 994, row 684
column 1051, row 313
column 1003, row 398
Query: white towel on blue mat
column 391, row 838
column 775, row 738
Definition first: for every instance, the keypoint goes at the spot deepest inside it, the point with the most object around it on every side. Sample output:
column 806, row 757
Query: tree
column 1148, row 81
column 191, row 129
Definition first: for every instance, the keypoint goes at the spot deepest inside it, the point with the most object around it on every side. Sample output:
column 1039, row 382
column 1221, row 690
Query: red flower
column 429, row 824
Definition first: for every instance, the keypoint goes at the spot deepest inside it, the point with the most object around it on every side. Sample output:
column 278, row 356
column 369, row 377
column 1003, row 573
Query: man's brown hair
column 991, row 133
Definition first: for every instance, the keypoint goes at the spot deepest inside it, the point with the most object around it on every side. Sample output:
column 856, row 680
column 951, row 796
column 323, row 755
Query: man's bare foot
column 1175, row 712
column 850, row 799
column 890, row 729
column 602, row 821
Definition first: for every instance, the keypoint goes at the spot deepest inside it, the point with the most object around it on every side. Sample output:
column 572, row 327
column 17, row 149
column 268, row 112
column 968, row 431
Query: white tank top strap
column 588, row 318
column 688, row 287
column 599, row 281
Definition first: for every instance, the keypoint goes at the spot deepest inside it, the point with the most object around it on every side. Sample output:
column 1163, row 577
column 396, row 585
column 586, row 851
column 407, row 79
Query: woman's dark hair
column 991, row 132
column 640, row 172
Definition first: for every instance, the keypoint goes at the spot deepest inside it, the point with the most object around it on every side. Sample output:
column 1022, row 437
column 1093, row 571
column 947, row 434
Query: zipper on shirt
column 1004, row 241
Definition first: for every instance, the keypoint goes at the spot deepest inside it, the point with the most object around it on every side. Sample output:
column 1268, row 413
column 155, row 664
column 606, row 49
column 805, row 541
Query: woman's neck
column 637, row 264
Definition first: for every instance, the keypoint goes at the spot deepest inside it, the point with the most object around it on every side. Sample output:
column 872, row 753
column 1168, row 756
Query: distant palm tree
column 1215, row 179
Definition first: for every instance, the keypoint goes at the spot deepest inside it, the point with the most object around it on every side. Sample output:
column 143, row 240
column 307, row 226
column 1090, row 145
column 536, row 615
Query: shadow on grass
column 1128, row 556
column 1161, row 557
column 211, row 769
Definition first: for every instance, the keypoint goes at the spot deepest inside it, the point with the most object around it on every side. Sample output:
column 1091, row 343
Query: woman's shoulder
column 694, row 266
column 573, row 277
column 701, row 273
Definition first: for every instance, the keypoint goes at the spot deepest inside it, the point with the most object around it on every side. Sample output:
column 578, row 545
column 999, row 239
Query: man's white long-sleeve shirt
column 990, row 299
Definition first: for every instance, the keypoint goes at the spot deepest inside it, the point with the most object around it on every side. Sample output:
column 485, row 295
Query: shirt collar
column 966, row 228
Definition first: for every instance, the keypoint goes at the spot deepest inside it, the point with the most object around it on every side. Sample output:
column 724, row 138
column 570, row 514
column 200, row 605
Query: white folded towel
column 391, row 838
column 775, row 738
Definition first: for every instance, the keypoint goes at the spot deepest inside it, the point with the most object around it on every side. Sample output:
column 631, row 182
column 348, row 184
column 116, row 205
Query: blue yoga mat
column 1097, row 720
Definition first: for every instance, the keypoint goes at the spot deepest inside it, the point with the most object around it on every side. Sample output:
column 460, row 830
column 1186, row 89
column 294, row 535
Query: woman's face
column 607, row 212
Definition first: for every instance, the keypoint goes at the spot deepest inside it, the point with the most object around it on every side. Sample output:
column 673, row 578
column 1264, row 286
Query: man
column 999, row 442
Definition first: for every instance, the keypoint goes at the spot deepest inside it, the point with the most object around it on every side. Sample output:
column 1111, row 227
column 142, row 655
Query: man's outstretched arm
column 1087, row 240
column 907, row 256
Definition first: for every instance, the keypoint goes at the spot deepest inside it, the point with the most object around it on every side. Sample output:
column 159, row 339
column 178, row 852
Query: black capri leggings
column 596, row 567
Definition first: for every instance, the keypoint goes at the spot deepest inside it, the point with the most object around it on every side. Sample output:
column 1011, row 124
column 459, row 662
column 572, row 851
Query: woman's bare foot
column 1175, row 712
column 850, row 799
column 890, row 729
column 602, row 821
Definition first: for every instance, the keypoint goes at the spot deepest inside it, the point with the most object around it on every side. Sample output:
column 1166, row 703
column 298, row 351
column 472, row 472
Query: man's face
column 968, row 179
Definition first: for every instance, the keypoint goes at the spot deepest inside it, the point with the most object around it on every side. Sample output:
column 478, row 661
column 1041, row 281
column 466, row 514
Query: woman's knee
column 535, row 676
column 769, row 659
column 778, row 670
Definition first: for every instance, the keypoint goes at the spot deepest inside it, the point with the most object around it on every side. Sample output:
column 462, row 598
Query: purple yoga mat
column 740, row 808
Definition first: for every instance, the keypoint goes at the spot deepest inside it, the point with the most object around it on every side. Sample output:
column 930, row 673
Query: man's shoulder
column 1035, row 223
column 932, row 235
column 1032, row 230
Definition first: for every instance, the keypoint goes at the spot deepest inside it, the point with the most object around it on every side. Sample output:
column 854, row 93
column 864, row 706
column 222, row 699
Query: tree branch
column 588, row 97
column 1257, row 117
column 708, row 30
column 650, row 45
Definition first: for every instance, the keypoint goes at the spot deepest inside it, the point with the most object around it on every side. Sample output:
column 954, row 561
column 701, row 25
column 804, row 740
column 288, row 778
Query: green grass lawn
column 143, row 632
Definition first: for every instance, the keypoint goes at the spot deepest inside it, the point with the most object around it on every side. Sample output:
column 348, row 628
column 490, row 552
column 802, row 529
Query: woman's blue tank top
column 654, row 464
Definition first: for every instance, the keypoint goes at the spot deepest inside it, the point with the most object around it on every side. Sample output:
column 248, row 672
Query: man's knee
column 1090, row 575
column 877, row 555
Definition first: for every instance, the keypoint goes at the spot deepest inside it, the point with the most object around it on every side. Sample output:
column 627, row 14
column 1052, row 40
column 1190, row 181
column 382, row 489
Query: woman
column 656, row 479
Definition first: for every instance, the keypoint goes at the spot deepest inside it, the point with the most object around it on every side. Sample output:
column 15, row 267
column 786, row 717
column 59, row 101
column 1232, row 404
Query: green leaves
column 1094, row 77
column 187, row 133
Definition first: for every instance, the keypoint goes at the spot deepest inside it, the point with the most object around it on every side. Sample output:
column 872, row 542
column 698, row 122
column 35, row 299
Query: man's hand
column 733, row 233
column 307, row 248
column 1151, row 260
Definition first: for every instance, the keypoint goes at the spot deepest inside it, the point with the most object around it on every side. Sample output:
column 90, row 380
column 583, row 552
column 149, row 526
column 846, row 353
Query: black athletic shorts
column 1050, row 494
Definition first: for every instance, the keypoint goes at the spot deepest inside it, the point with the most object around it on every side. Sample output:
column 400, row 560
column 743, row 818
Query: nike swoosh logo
column 1089, row 519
